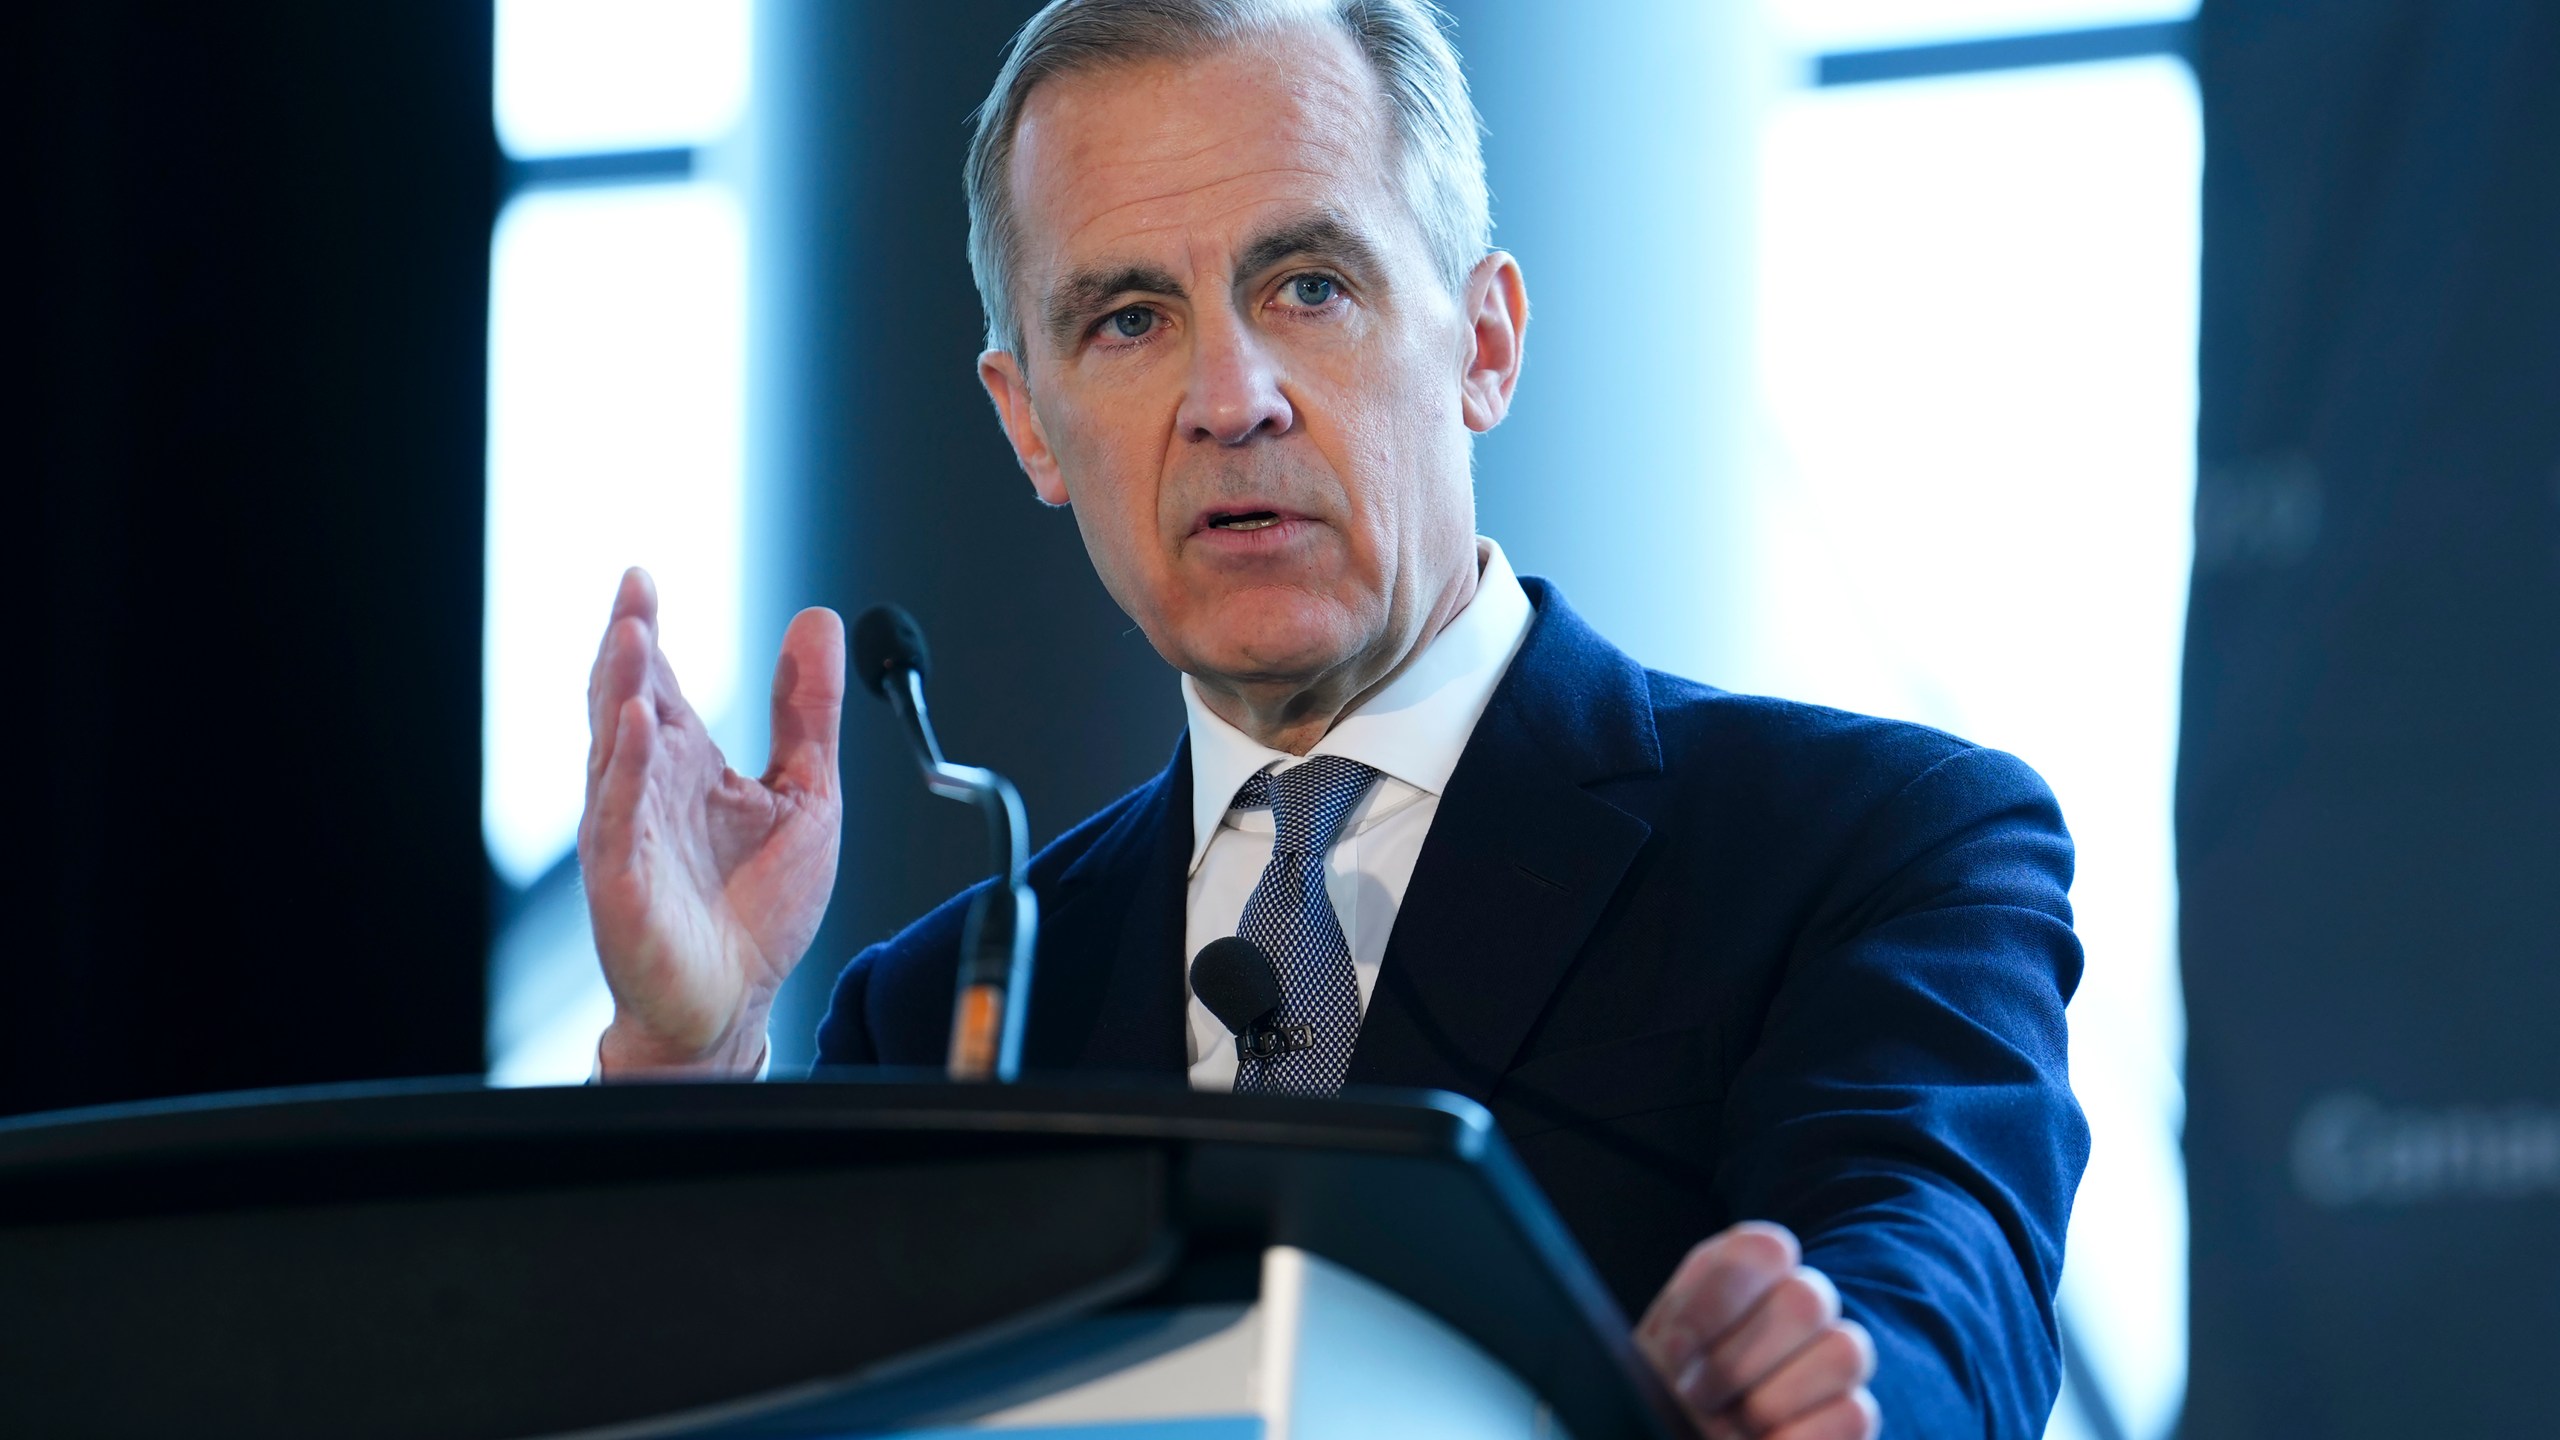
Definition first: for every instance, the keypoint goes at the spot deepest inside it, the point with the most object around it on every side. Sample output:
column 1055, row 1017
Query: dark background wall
column 251, row 290
column 892, row 482
column 2369, row 788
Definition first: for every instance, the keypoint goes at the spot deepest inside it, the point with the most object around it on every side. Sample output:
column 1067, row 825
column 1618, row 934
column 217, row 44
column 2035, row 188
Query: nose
column 1233, row 394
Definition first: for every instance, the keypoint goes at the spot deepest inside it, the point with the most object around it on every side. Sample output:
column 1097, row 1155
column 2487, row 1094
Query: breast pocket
column 1615, row 1080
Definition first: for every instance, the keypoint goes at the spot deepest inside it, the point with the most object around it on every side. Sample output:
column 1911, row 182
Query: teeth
column 1261, row 521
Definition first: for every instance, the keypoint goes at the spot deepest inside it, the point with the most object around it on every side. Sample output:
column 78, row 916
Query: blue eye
column 1311, row 290
column 1133, row 322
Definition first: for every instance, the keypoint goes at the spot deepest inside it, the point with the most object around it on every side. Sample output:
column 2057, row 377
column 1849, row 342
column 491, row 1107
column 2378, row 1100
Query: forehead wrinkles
column 1215, row 206
column 1154, row 145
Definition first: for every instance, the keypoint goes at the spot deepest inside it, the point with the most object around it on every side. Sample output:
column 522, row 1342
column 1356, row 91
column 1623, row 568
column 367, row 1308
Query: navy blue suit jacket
column 1707, row 958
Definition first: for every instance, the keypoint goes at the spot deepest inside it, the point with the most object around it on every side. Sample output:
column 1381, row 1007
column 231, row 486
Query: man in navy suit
column 1770, row 998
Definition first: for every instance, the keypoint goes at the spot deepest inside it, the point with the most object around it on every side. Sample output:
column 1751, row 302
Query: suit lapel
column 1519, row 865
column 1108, row 992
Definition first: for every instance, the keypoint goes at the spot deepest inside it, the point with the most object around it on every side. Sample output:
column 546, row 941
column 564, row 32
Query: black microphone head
column 886, row 637
column 1235, row 980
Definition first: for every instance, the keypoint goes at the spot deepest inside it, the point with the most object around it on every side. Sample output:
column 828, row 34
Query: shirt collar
column 1414, row 729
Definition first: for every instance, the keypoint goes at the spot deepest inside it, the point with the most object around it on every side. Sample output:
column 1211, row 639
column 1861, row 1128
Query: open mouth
column 1245, row 520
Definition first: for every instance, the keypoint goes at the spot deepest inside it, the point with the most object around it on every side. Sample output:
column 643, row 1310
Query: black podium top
column 444, row 1260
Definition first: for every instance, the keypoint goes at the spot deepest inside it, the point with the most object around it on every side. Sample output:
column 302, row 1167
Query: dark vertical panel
column 259, row 242
column 900, row 483
column 2369, row 788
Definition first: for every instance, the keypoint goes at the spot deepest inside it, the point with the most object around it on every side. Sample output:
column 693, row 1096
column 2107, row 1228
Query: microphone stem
column 996, row 944
column 1008, row 829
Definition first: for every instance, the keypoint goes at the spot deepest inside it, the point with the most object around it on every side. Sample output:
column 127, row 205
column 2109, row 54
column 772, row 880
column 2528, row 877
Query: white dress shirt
column 1411, row 732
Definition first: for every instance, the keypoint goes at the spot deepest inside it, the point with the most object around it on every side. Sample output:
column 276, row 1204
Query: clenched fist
column 1753, row 1343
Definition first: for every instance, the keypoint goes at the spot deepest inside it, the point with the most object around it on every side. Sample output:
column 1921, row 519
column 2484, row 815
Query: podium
column 793, row 1261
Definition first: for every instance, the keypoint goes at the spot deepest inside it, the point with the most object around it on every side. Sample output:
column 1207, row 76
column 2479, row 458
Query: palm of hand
column 705, row 886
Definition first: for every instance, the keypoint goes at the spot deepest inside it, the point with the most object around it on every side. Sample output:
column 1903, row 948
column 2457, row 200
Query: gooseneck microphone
column 1235, row 980
column 995, row 945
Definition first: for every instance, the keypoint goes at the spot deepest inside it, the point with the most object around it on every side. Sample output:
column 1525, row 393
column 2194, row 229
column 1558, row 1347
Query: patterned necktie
column 1292, row 919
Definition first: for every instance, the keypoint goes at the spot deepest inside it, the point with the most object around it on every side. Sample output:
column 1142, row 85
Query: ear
column 1495, row 305
column 1001, row 373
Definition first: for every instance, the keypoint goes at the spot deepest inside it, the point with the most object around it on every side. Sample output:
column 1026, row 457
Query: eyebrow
column 1322, row 235
column 1086, row 291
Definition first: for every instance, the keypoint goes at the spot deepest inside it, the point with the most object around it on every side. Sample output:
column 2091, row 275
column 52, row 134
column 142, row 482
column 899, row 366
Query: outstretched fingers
column 808, row 702
column 614, row 817
column 624, row 659
column 622, row 675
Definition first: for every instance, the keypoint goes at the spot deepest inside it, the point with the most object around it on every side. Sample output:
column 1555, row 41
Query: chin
column 1275, row 635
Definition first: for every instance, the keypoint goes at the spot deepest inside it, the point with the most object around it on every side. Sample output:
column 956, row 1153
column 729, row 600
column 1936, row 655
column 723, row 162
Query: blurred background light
column 616, row 398
column 588, row 76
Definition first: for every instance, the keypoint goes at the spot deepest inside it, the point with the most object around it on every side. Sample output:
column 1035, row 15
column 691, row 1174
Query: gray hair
column 1437, row 130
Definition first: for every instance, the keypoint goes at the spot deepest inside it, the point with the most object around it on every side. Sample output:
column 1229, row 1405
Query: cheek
column 1109, row 465
column 1398, row 425
column 1102, row 460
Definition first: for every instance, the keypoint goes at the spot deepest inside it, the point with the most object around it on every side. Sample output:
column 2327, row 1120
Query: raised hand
column 1753, row 1343
column 705, row 886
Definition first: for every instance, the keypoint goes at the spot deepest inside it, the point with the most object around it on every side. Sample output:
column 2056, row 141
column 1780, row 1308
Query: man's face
column 1242, row 369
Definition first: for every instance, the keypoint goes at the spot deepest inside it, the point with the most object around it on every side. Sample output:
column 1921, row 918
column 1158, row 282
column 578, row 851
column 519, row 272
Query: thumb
column 808, row 701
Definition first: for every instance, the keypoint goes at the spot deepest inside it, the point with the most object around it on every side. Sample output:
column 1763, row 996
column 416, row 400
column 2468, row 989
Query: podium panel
column 795, row 1260
column 1320, row 1352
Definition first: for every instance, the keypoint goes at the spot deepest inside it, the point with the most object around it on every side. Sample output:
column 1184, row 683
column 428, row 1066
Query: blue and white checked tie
column 1292, row 919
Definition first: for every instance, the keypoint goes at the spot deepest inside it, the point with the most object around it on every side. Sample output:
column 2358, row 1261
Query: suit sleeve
column 892, row 1005
column 1908, row 1110
column 844, row 1036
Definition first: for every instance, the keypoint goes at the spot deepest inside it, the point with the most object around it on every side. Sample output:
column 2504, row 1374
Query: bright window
column 617, row 436
column 1977, row 353
column 581, row 77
